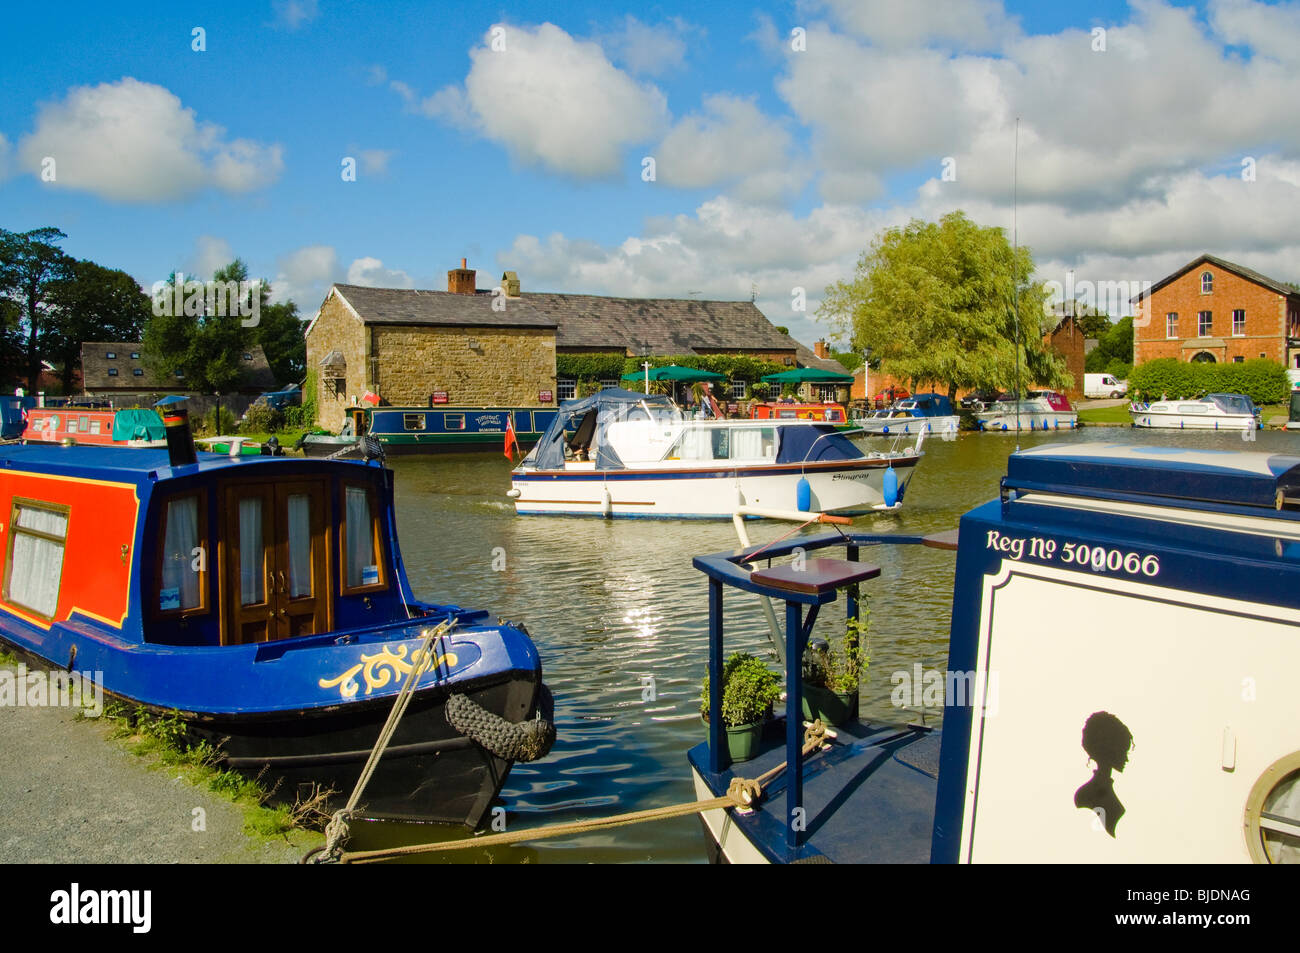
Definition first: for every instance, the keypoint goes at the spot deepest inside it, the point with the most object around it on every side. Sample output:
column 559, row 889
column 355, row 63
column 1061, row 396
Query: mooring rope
column 743, row 793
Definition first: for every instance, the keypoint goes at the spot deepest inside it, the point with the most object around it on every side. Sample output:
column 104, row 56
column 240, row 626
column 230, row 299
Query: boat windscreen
column 1232, row 403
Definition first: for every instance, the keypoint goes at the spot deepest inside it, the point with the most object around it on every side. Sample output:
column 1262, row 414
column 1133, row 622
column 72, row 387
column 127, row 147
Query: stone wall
column 337, row 329
column 475, row 366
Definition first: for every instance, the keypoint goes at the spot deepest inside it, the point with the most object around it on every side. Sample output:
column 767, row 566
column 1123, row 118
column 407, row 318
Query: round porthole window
column 1273, row 814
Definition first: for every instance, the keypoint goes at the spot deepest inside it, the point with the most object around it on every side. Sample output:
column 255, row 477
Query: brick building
column 1067, row 340
column 1217, row 311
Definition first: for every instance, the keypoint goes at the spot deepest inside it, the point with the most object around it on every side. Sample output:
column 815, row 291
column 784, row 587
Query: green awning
column 674, row 372
column 802, row 375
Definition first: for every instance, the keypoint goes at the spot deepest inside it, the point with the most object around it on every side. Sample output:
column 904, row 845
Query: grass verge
column 166, row 741
column 1105, row 415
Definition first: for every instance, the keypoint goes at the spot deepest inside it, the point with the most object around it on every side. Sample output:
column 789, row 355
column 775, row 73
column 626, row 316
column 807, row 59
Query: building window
column 1204, row 323
column 111, row 355
column 737, row 390
column 1238, row 359
column 135, row 355
column 35, row 568
column 1207, row 283
column 608, row 384
column 137, row 372
column 1171, row 324
column 1203, row 357
column 247, row 356
column 566, row 389
column 826, row 393
column 112, row 372
column 1239, row 322
column 180, row 375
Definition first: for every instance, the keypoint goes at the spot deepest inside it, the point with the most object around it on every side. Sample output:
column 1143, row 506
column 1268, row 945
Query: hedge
column 1262, row 380
column 612, row 365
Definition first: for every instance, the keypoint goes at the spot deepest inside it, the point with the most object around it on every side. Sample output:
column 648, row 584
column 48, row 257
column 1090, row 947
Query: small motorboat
column 618, row 453
column 1103, row 590
column 1212, row 412
column 1040, row 410
column 929, row 413
column 264, row 599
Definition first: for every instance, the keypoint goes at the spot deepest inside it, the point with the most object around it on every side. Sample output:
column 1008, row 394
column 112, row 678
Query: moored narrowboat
column 435, row 429
column 94, row 426
column 265, row 599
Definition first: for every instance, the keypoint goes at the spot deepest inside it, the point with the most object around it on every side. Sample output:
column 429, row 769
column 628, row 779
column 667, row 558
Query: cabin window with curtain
column 1207, row 283
column 34, row 570
column 361, row 565
column 180, row 585
column 413, row 421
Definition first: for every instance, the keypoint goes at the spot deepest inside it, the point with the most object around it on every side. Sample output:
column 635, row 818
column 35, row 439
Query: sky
column 717, row 150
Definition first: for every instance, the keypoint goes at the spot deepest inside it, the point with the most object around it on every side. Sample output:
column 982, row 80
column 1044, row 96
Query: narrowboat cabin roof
column 140, row 464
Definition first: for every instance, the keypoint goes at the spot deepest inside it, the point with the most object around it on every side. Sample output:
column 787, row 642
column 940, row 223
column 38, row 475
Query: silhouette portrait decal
column 1107, row 741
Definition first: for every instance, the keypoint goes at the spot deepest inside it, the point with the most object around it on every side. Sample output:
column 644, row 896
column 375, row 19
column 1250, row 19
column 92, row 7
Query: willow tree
column 935, row 301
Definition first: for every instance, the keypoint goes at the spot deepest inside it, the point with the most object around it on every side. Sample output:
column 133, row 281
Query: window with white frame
column 826, row 392
column 1171, row 324
column 566, row 389
column 608, row 383
column 736, row 391
column 34, row 570
column 1207, row 283
column 1204, row 323
column 1239, row 322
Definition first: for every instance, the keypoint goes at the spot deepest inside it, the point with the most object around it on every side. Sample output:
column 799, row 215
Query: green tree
column 1113, row 346
column 91, row 303
column 935, row 302
column 30, row 266
column 205, row 347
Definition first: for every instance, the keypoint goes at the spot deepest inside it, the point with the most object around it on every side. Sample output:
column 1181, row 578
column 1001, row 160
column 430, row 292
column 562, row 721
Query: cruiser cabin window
column 34, row 563
column 181, row 576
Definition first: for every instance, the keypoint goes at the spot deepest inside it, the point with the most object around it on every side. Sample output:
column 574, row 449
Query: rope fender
column 508, row 740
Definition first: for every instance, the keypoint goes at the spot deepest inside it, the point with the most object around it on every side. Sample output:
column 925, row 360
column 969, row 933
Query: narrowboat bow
column 265, row 599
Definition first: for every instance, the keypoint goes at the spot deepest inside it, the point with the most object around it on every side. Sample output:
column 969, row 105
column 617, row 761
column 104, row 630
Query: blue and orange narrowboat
column 265, row 600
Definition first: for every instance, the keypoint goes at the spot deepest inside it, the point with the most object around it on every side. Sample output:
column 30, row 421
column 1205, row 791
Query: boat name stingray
column 134, row 907
column 375, row 669
column 24, row 689
column 921, row 688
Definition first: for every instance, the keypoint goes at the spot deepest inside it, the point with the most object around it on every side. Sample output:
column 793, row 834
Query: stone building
column 1214, row 310
column 499, row 347
column 115, row 371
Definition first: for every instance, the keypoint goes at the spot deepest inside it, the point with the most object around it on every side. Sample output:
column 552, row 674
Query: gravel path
column 73, row 795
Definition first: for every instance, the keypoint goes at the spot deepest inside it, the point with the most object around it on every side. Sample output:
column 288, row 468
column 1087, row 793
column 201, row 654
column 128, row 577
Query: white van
column 1103, row 385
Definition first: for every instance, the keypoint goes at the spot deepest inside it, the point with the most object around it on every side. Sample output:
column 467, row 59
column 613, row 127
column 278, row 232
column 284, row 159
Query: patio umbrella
column 801, row 375
column 674, row 372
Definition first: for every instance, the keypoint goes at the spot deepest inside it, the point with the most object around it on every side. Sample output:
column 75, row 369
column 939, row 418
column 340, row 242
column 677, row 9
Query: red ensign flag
column 510, row 439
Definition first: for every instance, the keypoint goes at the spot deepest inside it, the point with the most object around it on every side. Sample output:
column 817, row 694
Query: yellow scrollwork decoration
column 384, row 666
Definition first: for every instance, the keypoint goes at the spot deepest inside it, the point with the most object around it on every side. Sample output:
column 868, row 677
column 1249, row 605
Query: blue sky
column 778, row 156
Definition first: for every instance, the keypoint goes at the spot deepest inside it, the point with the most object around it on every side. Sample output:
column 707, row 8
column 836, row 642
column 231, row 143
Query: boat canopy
column 928, row 405
column 1232, row 403
column 811, row 443
column 138, row 424
column 588, row 419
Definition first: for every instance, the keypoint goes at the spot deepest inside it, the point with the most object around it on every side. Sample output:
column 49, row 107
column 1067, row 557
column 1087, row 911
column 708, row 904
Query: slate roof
column 412, row 306
column 807, row 358
column 664, row 325
column 1247, row 273
column 96, row 364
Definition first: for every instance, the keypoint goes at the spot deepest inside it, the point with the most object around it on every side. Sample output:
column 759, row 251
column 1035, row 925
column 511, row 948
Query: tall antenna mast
column 1015, row 279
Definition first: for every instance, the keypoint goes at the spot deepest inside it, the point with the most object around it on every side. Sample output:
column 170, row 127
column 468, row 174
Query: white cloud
column 134, row 142
column 304, row 275
column 291, row 14
column 372, row 273
column 550, row 100
column 210, row 253
column 1265, row 28
column 375, row 161
column 5, row 149
column 730, row 142
column 954, row 24
column 648, row 50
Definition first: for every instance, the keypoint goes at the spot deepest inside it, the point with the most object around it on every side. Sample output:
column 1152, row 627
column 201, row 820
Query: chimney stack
column 461, row 281
column 821, row 350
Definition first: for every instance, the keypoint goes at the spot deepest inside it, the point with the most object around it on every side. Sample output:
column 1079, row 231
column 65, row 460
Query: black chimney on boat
column 180, row 441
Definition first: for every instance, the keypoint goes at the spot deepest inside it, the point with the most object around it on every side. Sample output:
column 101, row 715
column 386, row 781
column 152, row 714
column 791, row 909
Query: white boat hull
column 714, row 493
column 908, row 425
column 1034, row 420
column 1235, row 422
column 733, row 846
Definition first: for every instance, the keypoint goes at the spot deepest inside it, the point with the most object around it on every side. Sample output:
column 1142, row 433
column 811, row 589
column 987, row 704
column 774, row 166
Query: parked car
column 1103, row 385
column 886, row 396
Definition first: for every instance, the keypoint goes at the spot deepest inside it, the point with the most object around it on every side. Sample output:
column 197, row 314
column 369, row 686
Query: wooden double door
column 275, row 576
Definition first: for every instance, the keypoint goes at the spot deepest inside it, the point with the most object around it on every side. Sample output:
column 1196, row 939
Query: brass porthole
column 1273, row 813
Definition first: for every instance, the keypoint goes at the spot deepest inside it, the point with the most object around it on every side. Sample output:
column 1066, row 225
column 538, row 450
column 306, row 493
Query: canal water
column 612, row 605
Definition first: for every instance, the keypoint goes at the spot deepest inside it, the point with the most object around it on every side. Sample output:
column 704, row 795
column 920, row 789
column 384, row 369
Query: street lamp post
column 866, row 376
column 645, row 362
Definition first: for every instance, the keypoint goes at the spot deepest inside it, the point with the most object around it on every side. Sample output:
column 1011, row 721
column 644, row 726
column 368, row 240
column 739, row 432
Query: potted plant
column 749, row 689
column 832, row 672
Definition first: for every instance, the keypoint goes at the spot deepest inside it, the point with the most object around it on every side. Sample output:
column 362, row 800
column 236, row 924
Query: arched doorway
column 1203, row 357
